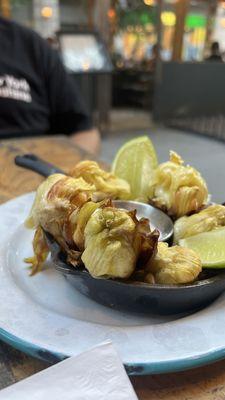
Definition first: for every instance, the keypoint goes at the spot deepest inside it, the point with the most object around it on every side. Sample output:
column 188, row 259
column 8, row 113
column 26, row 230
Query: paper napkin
column 97, row 374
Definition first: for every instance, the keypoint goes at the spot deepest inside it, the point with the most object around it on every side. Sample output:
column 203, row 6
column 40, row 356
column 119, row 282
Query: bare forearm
column 88, row 140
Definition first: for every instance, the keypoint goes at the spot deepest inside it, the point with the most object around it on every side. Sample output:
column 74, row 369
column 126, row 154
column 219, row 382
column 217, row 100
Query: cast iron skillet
column 135, row 297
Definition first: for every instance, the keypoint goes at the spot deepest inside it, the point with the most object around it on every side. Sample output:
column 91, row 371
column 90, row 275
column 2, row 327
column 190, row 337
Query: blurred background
column 138, row 61
column 143, row 66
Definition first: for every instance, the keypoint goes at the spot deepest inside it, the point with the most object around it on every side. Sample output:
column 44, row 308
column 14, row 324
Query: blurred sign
column 196, row 21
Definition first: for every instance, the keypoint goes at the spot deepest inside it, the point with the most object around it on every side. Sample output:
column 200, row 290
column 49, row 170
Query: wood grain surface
column 205, row 383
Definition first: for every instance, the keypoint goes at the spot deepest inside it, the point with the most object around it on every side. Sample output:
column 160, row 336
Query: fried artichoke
column 115, row 241
column 40, row 199
column 56, row 196
column 112, row 242
column 57, row 199
column 41, row 251
column 106, row 184
column 174, row 265
column 206, row 220
column 178, row 189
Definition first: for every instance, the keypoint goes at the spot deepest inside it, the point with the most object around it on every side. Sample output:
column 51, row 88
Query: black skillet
column 131, row 296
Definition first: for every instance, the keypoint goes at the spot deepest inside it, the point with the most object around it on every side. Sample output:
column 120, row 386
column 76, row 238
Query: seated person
column 215, row 53
column 37, row 96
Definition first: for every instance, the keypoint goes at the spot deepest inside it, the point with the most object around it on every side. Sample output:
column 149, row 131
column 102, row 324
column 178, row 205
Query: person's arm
column 89, row 140
column 67, row 112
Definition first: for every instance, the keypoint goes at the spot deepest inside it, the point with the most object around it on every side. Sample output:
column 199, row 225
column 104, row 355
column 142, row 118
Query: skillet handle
column 36, row 164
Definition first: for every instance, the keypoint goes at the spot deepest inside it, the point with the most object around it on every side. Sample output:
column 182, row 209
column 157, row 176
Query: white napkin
column 97, row 374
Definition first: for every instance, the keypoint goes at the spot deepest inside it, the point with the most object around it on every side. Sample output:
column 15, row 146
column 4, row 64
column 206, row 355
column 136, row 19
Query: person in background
column 215, row 53
column 37, row 95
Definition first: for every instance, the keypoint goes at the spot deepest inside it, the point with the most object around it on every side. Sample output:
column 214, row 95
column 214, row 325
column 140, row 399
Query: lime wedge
column 210, row 246
column 135, row 162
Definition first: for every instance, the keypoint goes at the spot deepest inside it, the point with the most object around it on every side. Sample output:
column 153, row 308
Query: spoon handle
column 36, row 164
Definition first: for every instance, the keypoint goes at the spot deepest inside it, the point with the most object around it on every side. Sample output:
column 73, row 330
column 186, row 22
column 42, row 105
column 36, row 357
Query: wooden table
column 206, row 383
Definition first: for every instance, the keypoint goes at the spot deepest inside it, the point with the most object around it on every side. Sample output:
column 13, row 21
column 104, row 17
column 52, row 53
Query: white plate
column 45, row 316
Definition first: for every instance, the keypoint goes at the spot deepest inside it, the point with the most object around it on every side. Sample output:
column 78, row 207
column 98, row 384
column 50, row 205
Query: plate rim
column 133, row 368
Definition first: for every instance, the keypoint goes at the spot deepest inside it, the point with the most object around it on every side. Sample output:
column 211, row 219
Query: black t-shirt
column 37, row 95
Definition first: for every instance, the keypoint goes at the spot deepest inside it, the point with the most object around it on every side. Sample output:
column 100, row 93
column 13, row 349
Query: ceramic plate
column 45, row 316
